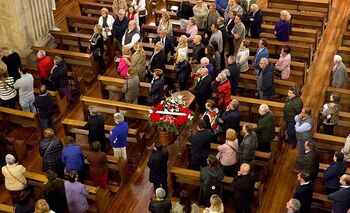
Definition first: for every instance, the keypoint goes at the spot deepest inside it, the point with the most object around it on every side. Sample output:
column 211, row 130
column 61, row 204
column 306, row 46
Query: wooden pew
column 321, row 6
column 111, row 107
column 84, row 63
column 114, row 84
column 97, row 195
column 135, row 137
column 324, row 166
column 298, row 19
column 79, row 41
column 328, row 142
column 83, row 24
column 300, row 52
column 22, row 118
column 6, row 208
column 61, row 103
column 346, row 39
column 320, row 201
column 93, row 9
column 298, row 35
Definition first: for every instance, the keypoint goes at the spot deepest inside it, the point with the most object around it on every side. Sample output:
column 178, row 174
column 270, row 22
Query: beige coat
column 333, row 112
column 131, row 88
column 17, row 182
column 139, row 62
column 200, row 15
column 119, row 4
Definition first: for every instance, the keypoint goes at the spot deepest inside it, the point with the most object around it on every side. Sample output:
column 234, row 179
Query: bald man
column 243, row 189
column 341, row 197
column 44, row 105
column 131, row 35
column 203, row 88
column 198, row 50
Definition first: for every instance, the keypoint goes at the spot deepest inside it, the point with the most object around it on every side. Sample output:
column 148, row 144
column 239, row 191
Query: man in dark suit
column 234, row 73
column 158, row 165
column 96, row 127
column 243, row 189
column 255, row 21
column 202, row 89
column 341, row 197
column 200, row 146
column 44, row 105
column 246, row 150
column 309, row 162
column 167, row 42
column 303, row 192
column 157, row 60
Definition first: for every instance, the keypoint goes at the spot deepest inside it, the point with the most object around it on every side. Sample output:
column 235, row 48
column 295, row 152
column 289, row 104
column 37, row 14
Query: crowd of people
column 219, row 35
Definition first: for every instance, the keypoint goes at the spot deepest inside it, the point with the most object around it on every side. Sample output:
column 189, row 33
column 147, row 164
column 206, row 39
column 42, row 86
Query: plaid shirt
column 97, row 162
column 52, row 159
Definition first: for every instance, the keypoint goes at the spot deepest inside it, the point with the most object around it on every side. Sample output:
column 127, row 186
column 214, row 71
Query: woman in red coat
column 223, row 92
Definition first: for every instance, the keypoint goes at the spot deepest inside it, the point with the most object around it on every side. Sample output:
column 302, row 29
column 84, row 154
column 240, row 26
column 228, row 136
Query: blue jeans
column 301, row 148
column 27, row 106
column 291, row 133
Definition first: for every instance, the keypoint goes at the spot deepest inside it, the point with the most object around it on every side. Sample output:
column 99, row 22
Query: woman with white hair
column 106, row 21
column 282, row 28
column 15, row 182
column 223, row 92
column 183, row 71
column 340, row 75
column 160, row 203
column 12, row 61
column 118, row 136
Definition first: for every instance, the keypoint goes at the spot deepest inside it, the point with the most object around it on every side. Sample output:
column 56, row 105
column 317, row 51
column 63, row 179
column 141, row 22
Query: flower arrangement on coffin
column 171, row 114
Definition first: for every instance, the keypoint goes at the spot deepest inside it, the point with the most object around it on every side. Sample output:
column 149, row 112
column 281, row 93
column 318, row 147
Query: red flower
column 185, row 110
column 180, row 120
column 155, row 117
column 180, row 107
column 159, row 107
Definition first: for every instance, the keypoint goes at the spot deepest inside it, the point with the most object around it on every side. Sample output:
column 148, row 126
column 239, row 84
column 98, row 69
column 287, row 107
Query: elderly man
column 198, row 50
column 200, row 12
column 202, row 89
column 265, row 83
column 265, row 129
column 12, row 61
column 238, row 33
column 303, row 192
column 166, row 41
column 44, row 105
column 262, row 52
column 45, row 64
column 291, row 108
column 96, row 127
column 118, row 136
column 340, row 75
column 212, row 18
column 293, row 206
column 119, row 27
column 131, row 35
column 233, row 74
column 158, row 59
column 255, row 21
column 303, row 127
column 243, row 189
column 160, row 203
column 231, row 117
column 246, row 150
column 309, row 162
column 25, row 86
column 206, row 64
column 341, row 198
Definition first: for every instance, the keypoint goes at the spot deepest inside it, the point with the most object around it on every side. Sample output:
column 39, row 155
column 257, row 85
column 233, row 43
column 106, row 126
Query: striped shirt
column 6, row 90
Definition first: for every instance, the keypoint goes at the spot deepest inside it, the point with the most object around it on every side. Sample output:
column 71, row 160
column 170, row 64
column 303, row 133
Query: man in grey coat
column 339, row 72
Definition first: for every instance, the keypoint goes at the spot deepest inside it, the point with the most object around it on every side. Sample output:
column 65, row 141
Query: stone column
column 24, row 23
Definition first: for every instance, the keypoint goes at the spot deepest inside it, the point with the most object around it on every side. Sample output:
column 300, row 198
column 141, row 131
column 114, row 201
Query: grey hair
column 264, row 60
column 205, row 60
column 295, row 204
column 264, row 108
column 10, row 159
column 254, row 6
column 122, row 11
column 118, row 117
column 222, row 76
column 160, row 193
column 6, row 49
column 41, row 53
column 338, row 58
column 232, row 57
column 93, row 110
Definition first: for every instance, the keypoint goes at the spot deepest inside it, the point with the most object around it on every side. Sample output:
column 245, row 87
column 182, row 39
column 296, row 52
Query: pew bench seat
column 6, row 208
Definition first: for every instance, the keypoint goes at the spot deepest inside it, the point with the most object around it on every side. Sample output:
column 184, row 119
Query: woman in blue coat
column 334, row 171
column 282, row 28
